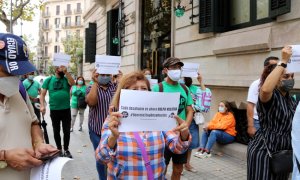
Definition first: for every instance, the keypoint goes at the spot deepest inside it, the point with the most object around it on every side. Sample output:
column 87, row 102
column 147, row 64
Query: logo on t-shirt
column 182, row 104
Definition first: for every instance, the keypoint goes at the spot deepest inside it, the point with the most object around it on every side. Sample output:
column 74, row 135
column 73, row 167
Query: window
column 77, row 20
column 57, row 10
column 68, row 8
column 57, row 22
column 56, row 49
column 225, row 15
column 46, row 51
column 68, row 34
column 47, row 37
column 47, row 23
column 77, row 33
column 90, row 42
column 68, row 21
column 56, row 36
column 78, row 9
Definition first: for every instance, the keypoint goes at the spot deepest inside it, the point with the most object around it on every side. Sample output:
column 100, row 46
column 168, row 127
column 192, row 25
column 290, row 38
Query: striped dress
column 276, row 124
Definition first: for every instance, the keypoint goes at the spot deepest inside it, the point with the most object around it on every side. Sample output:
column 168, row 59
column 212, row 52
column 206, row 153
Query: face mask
column 80, row 82
column 103, row 80
column 148, row 76
column 174, row 74
column 9, row 86
column 181, row 81
column 221, row 109
column 30, row 77
column 287, row 85
column 61, row 74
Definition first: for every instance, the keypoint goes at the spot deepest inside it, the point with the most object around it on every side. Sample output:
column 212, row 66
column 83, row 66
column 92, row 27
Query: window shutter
column 112, row 19
column 279, row 7
column 213, row 16
column 90, row 42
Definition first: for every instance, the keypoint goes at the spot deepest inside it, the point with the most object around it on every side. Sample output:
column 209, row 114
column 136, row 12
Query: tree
column 73, row 46
column 21, row 9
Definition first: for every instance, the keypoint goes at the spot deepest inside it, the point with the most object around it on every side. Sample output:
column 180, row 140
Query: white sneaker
column 205, row 155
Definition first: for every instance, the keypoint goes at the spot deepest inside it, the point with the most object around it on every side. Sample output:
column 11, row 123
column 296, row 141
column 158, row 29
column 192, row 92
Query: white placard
column 148, row 111
column 50, row 170
column 108, row 64
column 294, row 64
column 60, row 59
column 153, row 82
column 190, row 70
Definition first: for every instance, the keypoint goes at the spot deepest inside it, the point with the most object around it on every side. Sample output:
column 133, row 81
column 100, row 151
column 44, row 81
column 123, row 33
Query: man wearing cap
column 252, row 117
column 172, row 67
column 59, row 100
column 21, row 138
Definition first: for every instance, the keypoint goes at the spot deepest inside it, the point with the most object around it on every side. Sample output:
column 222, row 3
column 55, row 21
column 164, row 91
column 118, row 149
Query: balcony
column 48, row 41
column 77, row 11
column 46, row 27
column 68, row 12
column 72, row 25
column 57, row 26
column 46, row 14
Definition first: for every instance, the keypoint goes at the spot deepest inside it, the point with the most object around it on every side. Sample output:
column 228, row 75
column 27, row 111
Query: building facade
column 59, row 20
column 230, row 43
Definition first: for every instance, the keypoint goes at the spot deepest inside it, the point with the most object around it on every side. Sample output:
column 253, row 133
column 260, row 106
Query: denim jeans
column 209, row 138
column 101, row 168
column 256, row 124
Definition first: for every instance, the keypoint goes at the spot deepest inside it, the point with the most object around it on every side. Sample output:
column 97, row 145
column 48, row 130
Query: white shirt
column 16, row 117
column 253, row 95
column 296, row 141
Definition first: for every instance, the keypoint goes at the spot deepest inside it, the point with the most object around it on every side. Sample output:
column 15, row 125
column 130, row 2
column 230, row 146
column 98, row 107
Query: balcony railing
column 77, row 11
column 57, row 26
column 72, row 25
column 68, row 12
column 47, row 41
column 46, row 27
column 46, row 14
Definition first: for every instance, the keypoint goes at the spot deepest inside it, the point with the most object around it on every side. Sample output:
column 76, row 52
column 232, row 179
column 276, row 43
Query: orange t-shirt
column 225, row 122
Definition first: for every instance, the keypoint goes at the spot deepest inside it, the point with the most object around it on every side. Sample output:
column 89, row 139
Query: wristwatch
column 282, row 64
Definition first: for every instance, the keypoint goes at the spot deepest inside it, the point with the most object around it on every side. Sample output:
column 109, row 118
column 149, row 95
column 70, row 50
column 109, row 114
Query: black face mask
column 188, row 81
column 61, row 74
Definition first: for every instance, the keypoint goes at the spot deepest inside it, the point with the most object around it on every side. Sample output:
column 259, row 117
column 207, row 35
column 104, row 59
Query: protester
column 77, row 94
column 122, row 152
column 220, row 129
column 21, row 138
column 201, row 97
column 172, row 67
column 296, row 143
column 59, row 99
column 98, row 97
column 148, row 73
column 252, row 117
column 33, row 89
column 275, row 109
column 117, row 77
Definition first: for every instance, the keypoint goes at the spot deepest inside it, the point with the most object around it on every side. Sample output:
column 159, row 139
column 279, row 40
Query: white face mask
column 148, row 76
column 221, row 109
column 9, row 86
column 174, row 74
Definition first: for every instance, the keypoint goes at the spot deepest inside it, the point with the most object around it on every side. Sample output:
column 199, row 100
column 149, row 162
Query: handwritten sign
column 148, row 111
column 108, row 64
column 294, row 63
column 60, row 59
column 190, row 70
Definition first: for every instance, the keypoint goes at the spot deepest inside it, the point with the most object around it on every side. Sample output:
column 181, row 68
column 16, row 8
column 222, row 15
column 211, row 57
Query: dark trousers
column 63, row 116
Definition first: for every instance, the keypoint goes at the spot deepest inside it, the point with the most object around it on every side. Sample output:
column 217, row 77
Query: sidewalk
column 83, row 165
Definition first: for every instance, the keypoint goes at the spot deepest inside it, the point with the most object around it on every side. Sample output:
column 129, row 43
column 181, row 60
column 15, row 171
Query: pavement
column 83, row 164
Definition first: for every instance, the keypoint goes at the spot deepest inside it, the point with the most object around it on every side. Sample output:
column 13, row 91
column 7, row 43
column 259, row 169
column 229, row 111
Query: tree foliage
column 73, row 46
column 21, row 9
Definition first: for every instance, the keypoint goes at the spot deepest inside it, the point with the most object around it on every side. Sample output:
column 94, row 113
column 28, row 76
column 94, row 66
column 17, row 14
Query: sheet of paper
column 190, row 70
column 294, row 64
column 108, row 64
column 60, row 59
column 148, row 111
column 50, row 170
column 153, row 82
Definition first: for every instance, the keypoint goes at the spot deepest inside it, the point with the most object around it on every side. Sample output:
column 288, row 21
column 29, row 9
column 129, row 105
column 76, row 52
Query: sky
column 28, row 28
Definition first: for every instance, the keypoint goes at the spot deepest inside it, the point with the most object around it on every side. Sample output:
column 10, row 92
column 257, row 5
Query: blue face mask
column 30, row 77
column 181, row 81
column 103, row 80
column 80, row 82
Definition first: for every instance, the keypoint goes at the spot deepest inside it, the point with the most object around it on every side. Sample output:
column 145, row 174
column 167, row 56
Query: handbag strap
column 298, row 165
column 268, row 150
column 30, row 86
column 145, row 156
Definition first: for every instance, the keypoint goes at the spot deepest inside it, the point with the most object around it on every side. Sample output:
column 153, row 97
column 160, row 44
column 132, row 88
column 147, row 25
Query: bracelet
column 2, row 155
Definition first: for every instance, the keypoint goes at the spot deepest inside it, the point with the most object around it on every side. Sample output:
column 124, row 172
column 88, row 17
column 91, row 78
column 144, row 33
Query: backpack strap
column 161, row 88
column 22, row 91
column 298, row 164
column 185, row 89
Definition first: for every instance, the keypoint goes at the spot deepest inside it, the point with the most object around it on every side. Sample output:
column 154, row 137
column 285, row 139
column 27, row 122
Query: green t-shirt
column 185, row 99
column 33, row 91
column 59, row 92
column 75, row 91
